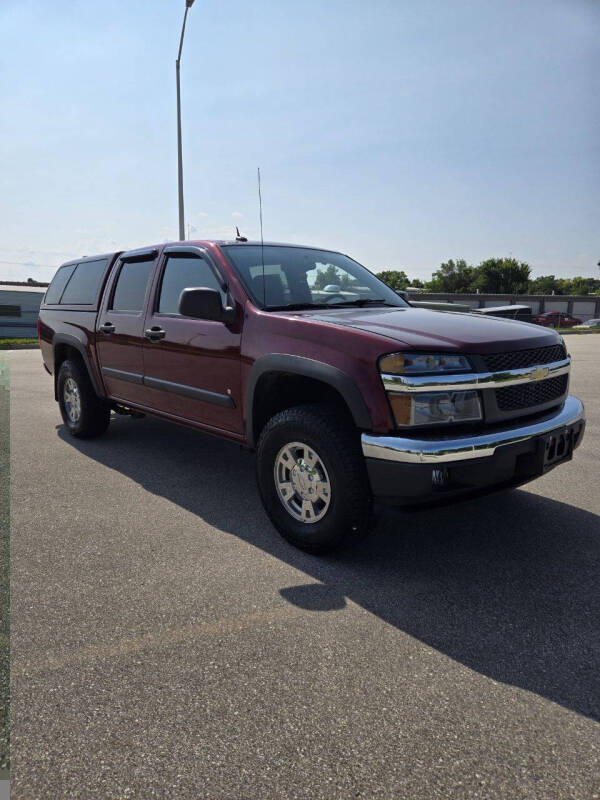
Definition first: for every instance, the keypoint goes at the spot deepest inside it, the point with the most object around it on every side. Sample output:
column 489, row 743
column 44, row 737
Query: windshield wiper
column 364, row 301
column 297, row 306
column 309, row 306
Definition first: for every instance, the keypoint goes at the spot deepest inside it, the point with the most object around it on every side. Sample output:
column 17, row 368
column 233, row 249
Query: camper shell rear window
column 78, row 284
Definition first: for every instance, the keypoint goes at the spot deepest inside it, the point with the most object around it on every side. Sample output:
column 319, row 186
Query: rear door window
column 132, row 282
column 84, row 286
column 58, row 283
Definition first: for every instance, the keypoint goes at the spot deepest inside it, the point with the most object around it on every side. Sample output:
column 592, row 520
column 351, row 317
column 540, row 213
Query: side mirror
column 202, row 303
column 403, row 294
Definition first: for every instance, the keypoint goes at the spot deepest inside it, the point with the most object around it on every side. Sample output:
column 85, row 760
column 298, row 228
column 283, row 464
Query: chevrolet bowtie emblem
column 539, row 373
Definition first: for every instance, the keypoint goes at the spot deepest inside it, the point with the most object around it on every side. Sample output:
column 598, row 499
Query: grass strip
column 13, row 344
column 580, row 332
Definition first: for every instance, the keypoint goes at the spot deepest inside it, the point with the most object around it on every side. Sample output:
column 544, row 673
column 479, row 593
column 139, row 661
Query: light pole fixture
column 188, row 5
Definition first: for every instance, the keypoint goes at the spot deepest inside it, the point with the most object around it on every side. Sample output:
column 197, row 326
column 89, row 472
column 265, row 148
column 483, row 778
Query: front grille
column 497, row 362
column 511, row 398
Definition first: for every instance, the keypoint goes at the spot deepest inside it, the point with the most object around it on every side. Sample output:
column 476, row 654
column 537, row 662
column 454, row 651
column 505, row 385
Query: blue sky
column 403, row 133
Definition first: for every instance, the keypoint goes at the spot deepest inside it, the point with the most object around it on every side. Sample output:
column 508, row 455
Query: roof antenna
column 262, row 243
column 238, row 237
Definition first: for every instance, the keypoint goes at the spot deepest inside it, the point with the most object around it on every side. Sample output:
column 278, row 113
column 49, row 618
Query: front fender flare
column 308, row 367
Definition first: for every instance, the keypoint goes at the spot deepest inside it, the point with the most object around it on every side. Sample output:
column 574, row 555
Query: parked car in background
column 439, row 306
column 591, row 323
column 555, row 319
column 434, row 305
column 513, row 311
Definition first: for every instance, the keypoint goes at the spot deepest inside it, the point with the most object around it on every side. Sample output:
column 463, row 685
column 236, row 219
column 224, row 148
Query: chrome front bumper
column 444, row 450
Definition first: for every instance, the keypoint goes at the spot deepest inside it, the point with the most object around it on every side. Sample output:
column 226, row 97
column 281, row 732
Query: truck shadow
column 506, row 585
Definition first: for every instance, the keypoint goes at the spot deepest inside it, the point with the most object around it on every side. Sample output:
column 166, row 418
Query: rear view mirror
column 202, row 303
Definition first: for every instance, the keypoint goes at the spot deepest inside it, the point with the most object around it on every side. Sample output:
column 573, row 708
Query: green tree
column 451, row 277
column 503, row 276
column 545, row 284
column 347, row 282
column 579, row 285
column 395, row 279
column 326, row 276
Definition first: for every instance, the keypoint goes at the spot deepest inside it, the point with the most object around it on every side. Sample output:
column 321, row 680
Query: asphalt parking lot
column 166, row 643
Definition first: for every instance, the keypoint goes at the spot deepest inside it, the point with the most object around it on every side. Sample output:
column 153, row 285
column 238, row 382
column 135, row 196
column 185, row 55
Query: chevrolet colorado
column 346, row 392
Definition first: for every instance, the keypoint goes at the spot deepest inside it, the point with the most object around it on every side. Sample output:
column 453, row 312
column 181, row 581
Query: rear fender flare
column 73, row 341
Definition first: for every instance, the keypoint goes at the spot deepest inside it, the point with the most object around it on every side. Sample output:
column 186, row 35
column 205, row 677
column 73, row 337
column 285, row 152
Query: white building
column 19, row 308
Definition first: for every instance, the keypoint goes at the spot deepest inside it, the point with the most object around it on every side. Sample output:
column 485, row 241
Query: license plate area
column 557, row 447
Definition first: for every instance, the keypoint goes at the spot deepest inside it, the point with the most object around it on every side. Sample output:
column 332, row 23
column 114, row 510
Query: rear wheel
column 83, row 412
column 312, row 478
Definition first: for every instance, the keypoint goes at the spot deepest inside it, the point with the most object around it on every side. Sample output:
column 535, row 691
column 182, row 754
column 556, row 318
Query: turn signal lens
column 402, row 408
column 393, row 364
column 419, row 363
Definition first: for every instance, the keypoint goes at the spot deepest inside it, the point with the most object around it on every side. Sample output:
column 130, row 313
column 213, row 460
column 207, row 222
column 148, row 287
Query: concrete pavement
column 166, row 643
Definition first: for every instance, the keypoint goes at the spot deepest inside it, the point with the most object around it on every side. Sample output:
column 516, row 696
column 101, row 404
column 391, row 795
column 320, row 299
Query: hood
column 445, row 330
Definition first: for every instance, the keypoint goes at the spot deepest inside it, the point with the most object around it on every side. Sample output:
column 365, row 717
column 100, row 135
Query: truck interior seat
column 275, row 293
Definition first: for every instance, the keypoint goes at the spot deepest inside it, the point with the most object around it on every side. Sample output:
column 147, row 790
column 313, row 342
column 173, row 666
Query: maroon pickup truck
column 346, row 392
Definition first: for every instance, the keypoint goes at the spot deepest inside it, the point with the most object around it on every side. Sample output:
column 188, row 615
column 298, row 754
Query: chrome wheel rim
column 72, row 400
column 302, row 482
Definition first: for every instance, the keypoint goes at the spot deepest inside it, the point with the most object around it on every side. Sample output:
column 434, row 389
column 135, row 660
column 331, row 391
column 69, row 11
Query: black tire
column 94, row 415
column 348, row 517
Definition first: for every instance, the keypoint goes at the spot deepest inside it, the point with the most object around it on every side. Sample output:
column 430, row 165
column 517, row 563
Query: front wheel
column 312, row 478
column 83, row 412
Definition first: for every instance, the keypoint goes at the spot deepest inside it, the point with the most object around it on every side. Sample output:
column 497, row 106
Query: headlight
column 419, row 363
column 435, row 408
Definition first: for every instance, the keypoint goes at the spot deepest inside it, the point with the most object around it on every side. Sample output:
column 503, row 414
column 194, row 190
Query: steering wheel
column 331, row 297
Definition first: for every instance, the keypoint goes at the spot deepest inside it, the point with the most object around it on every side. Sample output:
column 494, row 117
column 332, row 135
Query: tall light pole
column 188, row 5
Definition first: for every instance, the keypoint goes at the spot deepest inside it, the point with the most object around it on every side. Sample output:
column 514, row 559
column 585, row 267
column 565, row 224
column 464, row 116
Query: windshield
column 300, row 277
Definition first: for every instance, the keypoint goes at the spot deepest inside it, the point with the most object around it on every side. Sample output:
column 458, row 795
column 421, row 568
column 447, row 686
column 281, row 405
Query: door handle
column 108, row 327
column 155, row 334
